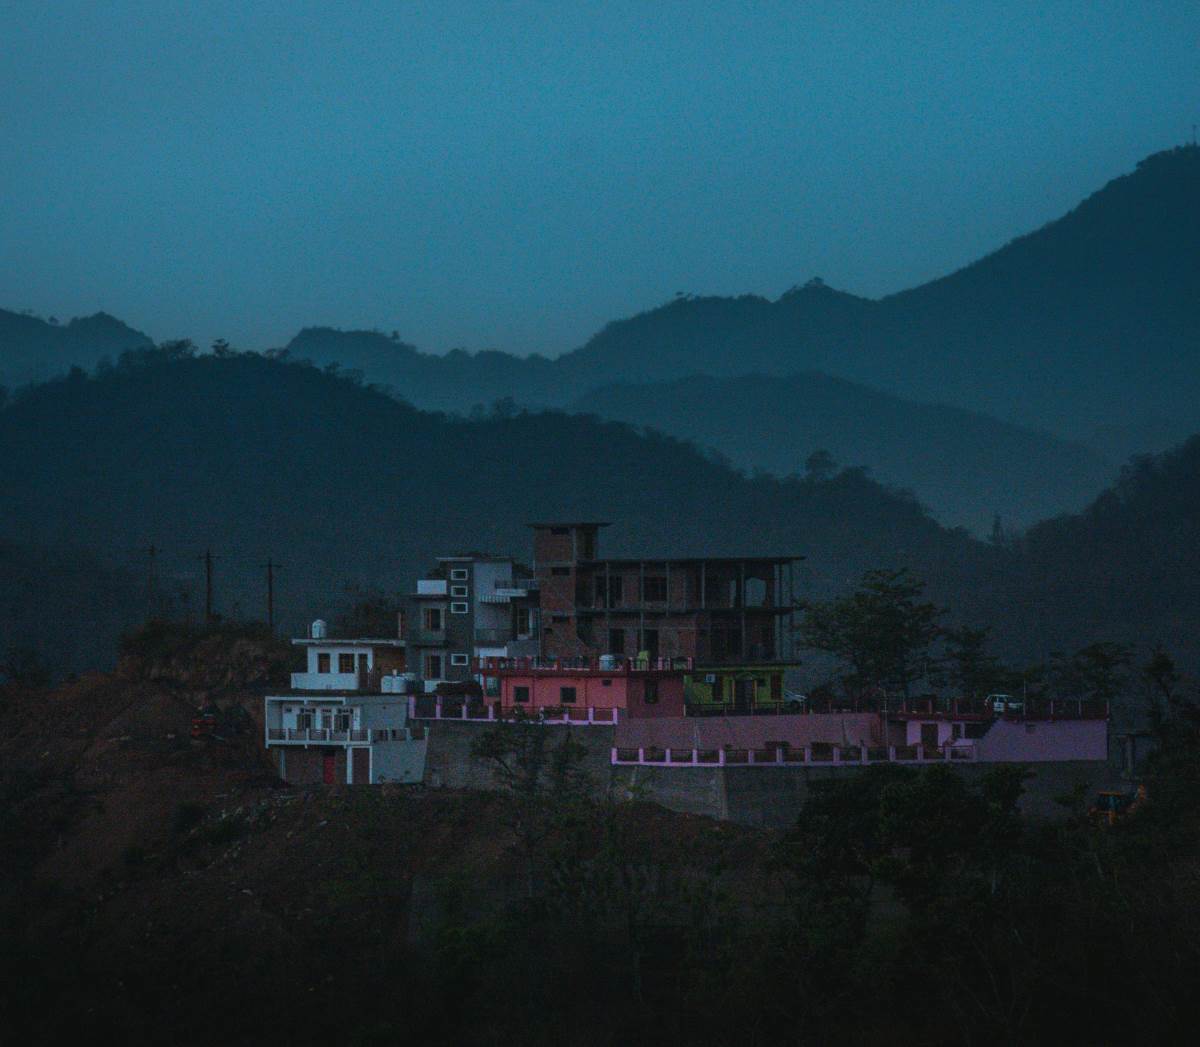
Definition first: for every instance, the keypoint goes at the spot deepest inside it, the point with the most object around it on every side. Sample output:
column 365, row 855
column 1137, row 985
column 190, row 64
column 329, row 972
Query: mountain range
column 1014, row 387
column 350, row 491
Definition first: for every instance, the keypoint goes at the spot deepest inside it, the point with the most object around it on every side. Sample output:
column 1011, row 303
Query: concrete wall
column 398, row 761
column 768, row 796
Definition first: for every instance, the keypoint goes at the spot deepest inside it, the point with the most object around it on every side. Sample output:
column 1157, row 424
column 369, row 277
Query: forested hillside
column 351, row 490
column 1125, row 569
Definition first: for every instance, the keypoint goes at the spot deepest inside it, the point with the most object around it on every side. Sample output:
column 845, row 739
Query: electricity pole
column 272, row 567
column 208, row 587
column 152, row 579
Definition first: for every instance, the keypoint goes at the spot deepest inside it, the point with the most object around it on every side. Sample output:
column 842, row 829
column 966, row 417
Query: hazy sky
column 513, row 175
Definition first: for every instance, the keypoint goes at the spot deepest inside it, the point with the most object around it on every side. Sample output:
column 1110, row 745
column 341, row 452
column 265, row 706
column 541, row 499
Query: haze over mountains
column 1055, row 357
column 353, row 491
column 350, row 489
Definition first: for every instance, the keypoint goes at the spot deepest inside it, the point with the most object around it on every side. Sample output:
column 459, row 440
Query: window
column 458, row 574
column 560, row 530
column 651, row 692
column 431, row 619
column 459, row 607
column 362, row 663
column 458, row 590
column 341, row 722
column 524, row 622
column 654, row 589
column 345, row 663
column 616, row 641
column 433, row 666
column 566, row 695
column 459, row 659
column 322, row 663
column 650, row 642
column 521, row 694
column 606, row 683
column 560, row 572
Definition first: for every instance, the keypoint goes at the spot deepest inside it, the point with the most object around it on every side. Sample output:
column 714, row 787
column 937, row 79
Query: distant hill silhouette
column 32, row 349
column 1088, row 329
column 349, row 488
column 967, row 467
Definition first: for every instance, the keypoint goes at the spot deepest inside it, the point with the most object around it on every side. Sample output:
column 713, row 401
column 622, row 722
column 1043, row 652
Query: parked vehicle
column 1005, row 703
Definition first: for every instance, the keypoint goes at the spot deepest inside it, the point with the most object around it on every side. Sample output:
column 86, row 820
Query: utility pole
column 152, row 552
column 272, row 567
column 208, row 587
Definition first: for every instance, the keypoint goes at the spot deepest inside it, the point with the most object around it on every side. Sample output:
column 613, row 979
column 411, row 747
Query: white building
column 345, row 719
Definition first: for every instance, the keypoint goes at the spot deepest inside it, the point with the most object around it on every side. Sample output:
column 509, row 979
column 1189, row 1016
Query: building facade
column 713, row 610
column 470, row 607
column 345, row 718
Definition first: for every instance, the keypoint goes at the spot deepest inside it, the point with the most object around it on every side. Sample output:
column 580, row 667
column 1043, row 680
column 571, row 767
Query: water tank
column 318, row 629
column 609, row 662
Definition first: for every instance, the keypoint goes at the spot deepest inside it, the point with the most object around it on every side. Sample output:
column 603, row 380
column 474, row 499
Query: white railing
column 325, row 681
column 817, row 756
column 476, row 710
column 324, row 735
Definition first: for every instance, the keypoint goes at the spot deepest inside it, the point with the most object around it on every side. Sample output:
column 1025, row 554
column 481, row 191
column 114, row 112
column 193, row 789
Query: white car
column 1005, row 703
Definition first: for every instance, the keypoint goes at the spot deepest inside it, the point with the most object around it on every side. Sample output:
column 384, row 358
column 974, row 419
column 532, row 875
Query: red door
column 328, row 769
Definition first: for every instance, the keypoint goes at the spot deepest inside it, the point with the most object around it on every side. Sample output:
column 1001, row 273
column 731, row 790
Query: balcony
column 605, row 665
column 331, row 736
column 325, row 681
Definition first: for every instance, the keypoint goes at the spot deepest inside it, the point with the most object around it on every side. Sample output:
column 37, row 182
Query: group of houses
column 686, row 659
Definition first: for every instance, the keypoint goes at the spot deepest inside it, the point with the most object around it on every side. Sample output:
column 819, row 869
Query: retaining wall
column 768, row 796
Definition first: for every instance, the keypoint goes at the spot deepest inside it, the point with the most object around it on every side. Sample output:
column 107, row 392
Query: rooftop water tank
column 318, row 629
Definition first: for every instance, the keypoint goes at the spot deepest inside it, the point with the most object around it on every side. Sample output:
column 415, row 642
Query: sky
column 513, row 176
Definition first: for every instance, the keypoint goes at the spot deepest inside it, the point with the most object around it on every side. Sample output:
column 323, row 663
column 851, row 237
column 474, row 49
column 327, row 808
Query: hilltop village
column 676, row 667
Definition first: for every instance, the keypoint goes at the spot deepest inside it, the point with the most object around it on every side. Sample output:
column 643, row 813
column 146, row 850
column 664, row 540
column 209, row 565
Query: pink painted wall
column 913, row 731
column 622, row 692
column 1015, row 741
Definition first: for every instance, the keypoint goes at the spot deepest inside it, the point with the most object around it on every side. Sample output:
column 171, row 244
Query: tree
column 883, row 632
column 820, row 465
column 372, row 614
column 26, row 667
column 971, row 669
column 543, row 781
column 1162, row 679
column 1098, row 672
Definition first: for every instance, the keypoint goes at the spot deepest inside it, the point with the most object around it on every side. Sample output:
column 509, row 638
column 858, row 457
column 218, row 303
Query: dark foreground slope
column 158, row 889
column 255, row 458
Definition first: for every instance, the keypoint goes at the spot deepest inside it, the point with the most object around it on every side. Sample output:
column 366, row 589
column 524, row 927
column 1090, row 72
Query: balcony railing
column 322, row 735
column 441, row 707
column 611, row 664
column 786, row 756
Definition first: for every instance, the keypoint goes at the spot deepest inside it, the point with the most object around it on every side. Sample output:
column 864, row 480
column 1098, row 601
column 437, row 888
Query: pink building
column 638, row 690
